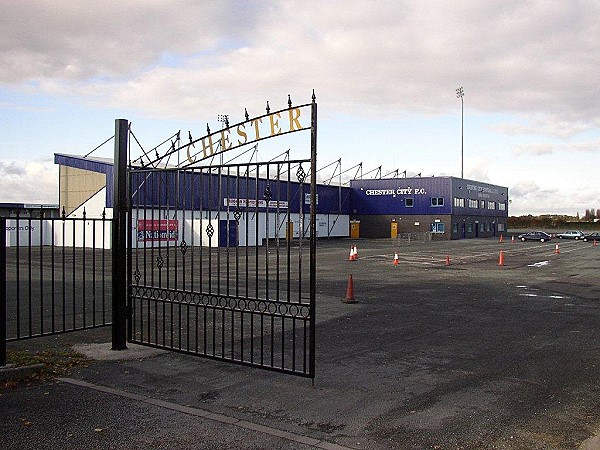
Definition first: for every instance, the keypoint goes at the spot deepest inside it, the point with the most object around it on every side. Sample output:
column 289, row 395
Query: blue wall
column 200, row 190
column 195, row 189
column 394, row 197
column 391, row 196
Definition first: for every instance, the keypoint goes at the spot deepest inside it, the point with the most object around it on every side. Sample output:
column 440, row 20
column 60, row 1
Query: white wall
column 190, row 226
column 27, row 232
column 193, row 225
column 88, row 233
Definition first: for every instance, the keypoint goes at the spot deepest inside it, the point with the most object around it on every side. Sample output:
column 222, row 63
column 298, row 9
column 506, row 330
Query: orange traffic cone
column 349, row 291
column 501, row 259
column 595, row 243
column 447, row 260
column 351, row 257
column 512, row 240
column 355, row 253
column 396, row 259
column 556, row 249
column 501, row 239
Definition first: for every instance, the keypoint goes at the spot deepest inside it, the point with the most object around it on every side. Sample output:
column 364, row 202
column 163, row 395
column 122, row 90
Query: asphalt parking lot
column 470, row 355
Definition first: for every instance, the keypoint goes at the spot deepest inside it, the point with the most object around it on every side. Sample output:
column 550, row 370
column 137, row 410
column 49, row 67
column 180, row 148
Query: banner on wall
column 164, row 230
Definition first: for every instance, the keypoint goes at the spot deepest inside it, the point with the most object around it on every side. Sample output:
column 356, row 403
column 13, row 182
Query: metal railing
column 56, row 276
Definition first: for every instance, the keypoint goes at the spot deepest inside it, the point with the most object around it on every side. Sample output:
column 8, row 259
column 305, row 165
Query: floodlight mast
column 460, row 93
column 224, row 119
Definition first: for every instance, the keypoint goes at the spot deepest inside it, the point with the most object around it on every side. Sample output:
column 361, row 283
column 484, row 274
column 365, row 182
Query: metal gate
column 213, row 270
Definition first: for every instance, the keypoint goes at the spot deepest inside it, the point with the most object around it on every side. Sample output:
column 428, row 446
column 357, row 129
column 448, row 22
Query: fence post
column 119, row 237
column 313, row 234
column 2, row 291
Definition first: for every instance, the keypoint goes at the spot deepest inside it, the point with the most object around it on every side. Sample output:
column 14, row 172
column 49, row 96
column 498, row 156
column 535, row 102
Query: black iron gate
column 223, row 257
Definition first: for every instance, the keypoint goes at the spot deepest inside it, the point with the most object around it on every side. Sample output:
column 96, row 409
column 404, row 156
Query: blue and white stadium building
column 436, row 208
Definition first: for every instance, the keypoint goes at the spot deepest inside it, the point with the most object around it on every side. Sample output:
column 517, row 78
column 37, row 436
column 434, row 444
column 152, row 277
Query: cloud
column 477, row 168
column 527, row 197
column 547, row 126
column 11, row 168
column 82, row 40
column 524, row 188
column 16, row 107
column 178, row 59
column 29, row 182
column 539, row 149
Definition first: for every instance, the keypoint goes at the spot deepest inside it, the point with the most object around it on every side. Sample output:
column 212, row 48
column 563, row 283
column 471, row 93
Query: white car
column 571, row 234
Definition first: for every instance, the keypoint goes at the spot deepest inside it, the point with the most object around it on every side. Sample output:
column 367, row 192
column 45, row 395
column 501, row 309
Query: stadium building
column 440, row 207
column 436, row 208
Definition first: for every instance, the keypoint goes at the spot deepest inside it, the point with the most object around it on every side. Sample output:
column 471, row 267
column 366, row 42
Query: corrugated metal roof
column 93, row 164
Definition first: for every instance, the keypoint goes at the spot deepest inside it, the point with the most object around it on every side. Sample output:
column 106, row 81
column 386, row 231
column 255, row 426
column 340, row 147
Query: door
column 228, row 233
column 394, row 230
column 354, row 230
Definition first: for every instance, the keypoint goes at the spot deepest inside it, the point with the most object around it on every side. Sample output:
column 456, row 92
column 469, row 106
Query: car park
column 595, row 236
column 535, row 236
column 571, row 234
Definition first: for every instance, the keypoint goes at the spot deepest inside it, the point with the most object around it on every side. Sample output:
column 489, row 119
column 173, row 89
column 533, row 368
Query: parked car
column 595, row 236
column 571, row 234
column 535, row 236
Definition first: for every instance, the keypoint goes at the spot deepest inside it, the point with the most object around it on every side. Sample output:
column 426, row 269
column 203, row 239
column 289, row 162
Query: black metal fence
column 220, row 263
column 56, row 276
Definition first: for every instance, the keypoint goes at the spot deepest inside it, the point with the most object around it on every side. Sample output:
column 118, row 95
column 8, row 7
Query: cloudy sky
column 385, row 75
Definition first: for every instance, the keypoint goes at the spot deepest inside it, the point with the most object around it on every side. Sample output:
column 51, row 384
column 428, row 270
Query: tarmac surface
column 471, row 355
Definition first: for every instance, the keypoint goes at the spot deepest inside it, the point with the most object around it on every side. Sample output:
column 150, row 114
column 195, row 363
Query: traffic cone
column 501, row 239
column 351, row 257
column 349, row 291
column 355, row 253
column 595, row 243
column 501, row 259
column 447, row 260
column 556, row 249
column 512, row 240
column 396, row 259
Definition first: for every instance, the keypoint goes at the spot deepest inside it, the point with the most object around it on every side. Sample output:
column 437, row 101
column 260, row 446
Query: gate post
column 119, row 237
column 2, row 291
column 313, row 233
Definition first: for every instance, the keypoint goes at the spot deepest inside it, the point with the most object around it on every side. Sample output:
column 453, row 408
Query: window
column 459, row 202
column 502, row 206
column 409, row 202
column 491, row 205
column 501, row 227
column 455, row 228
column 437, row 228
column 437, row 201
column 470, row 227
column 482, row 204
column 473, row 203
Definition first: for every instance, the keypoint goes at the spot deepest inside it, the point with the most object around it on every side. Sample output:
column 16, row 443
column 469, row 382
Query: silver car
column 571, row 234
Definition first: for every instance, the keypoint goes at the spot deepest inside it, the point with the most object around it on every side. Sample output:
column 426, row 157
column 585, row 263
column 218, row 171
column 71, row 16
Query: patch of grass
column 56, row 362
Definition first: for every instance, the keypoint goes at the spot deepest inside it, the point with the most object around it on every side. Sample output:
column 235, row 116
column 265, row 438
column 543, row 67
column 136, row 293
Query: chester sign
column 252, row 130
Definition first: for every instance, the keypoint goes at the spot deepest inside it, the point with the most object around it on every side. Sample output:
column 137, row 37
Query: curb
column 10, row 372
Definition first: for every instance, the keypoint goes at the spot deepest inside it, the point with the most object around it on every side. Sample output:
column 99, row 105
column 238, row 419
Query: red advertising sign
column 158, row 230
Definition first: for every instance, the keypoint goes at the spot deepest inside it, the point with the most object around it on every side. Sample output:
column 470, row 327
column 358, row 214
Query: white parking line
column 539, row 264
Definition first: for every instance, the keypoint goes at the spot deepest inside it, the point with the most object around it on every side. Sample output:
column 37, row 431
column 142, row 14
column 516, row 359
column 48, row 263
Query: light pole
column 224, row 119
column 460, row 93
